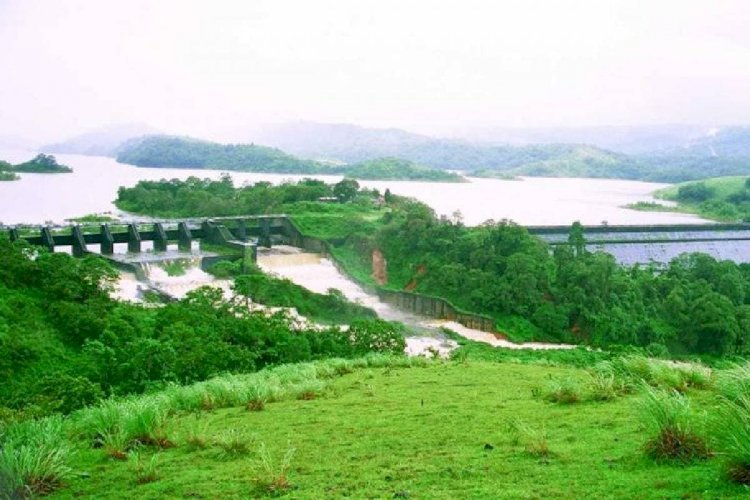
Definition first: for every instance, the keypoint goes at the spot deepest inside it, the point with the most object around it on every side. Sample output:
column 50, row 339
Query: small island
column 6, row 172
column 40, row 164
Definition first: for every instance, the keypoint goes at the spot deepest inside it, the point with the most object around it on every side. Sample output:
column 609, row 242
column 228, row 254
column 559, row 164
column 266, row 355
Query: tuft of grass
column 732, row 424
column 631, row 371
column 734, row 383
column 606, row 386
column 145, row 470
column 733, row 433
column 534, row 441
column 564, row 391
column 308, row 390
column 115, row 444
column 233, row 444
column 33, row 457
column 274, row 474
column 672, row 423
column 195, row 435
column 144, row 424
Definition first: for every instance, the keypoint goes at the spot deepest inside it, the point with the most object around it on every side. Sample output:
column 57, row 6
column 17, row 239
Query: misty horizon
column 445, row 69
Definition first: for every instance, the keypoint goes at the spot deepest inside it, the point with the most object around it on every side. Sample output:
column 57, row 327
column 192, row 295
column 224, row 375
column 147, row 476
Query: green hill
column 572, row 161
column 721, row 198
column 394, row 169
column 179, row 152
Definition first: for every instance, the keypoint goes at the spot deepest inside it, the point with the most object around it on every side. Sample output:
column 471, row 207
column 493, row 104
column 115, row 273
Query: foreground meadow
column 419, row 430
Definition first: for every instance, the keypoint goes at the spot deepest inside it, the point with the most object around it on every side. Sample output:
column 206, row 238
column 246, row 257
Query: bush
column 670, row 419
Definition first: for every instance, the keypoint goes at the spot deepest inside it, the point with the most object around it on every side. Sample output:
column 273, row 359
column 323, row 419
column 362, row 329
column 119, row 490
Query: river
column 92, row 187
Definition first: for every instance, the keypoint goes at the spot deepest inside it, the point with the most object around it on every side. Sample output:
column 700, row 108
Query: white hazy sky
column 214, row 68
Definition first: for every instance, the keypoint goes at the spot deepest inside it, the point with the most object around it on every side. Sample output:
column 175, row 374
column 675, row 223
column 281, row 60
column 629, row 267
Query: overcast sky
column 216, row 68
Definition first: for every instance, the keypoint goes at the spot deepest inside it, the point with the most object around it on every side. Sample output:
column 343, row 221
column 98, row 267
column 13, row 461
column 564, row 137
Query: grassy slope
column 722, row 186
column 422, row 431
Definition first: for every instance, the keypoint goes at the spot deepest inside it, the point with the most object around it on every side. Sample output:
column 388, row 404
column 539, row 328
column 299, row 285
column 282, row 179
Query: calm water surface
column 92, row 187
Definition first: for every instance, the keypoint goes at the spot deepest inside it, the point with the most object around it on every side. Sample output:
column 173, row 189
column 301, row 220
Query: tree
column 346, row 190
column 577, row 239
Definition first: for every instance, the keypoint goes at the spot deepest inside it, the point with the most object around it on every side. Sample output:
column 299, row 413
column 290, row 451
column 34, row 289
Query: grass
column 673, row 425
column 733, row 423
column 450, row 429
column 329, row 308
column 175, row 268
column 565, row 391
column 719, row 206
column 33, row 458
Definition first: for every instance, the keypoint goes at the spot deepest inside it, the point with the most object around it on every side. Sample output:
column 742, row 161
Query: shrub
column 671, row 421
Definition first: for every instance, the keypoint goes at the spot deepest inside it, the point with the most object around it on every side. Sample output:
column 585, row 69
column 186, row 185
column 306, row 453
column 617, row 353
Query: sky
column 217, row 69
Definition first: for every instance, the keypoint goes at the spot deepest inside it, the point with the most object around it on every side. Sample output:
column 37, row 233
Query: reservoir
column 92, row 187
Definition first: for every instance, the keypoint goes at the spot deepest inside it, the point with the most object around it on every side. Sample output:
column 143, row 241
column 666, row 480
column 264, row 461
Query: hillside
column 721, row 198
column 394, row 169
column 573, row 161
column 731, row 142
column 381, row 427
column 179, row 152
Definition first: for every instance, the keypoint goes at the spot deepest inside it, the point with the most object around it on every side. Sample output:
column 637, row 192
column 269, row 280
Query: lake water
column 91, row 188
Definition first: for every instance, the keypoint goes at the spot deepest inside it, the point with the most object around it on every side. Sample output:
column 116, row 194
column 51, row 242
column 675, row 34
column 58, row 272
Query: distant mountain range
column 659, row 153
column 632, row 140
column 731, row 142
column 104, row 141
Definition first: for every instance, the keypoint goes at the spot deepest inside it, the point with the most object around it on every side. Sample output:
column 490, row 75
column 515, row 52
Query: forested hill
column 396, row 169
column 167, row 151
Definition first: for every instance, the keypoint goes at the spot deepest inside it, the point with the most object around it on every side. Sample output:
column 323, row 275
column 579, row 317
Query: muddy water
column 317, row 273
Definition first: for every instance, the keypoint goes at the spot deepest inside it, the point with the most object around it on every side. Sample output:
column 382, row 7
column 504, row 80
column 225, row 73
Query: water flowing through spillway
column 318, row 273
column 171, row 273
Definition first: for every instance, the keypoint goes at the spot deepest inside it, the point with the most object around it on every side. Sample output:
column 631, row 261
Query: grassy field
column 722, row 186
column 437, row 430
